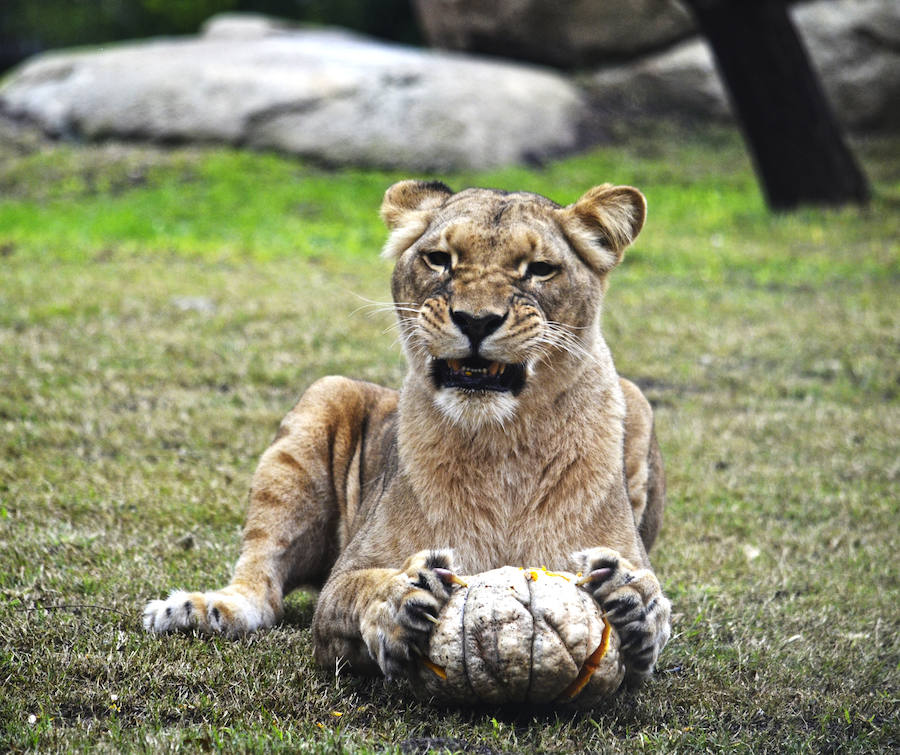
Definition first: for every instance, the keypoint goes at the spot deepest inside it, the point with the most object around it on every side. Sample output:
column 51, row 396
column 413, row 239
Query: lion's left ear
column 603, row 223
column 406, row 209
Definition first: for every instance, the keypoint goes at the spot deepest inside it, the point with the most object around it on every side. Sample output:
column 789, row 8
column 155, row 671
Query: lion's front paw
column 225, row 612
column 633, row 602
column 396, row 625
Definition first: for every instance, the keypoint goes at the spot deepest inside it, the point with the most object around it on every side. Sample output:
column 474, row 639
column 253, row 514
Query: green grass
column 161, row 310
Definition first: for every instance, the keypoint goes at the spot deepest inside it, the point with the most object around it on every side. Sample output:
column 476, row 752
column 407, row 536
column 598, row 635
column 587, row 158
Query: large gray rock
column 565, row 34
column 682, row 82
column 327, row 94
column 854, row 46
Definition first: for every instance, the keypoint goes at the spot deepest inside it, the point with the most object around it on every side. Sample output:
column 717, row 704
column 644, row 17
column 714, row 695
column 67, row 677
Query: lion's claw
column 596, row 577
column 449, row 578
column 397, row 626
column 633, row 602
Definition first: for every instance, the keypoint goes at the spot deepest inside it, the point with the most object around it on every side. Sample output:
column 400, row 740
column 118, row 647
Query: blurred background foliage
column 30, row 26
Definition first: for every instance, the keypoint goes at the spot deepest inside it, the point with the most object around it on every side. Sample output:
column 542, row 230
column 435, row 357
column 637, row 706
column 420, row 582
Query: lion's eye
column 541, row 270
column 439, row 261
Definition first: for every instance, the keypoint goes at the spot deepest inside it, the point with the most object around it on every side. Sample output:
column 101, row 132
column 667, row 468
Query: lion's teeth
column 493, row 369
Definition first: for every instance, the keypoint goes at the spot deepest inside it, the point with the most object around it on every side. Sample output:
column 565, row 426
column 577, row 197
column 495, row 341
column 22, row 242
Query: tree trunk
column 796, row 144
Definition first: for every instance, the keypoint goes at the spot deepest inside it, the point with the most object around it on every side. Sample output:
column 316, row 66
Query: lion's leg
column 380, row 619
column 643, row 464
column 303, row 498
column 651, row 521
column 630, row 593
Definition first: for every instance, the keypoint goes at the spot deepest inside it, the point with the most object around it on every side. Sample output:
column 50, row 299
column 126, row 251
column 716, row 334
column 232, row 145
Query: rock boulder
column 571, row 34
column 325, row 94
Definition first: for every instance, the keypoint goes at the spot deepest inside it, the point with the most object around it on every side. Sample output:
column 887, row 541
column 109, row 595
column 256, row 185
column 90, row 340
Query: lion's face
column 498, row 293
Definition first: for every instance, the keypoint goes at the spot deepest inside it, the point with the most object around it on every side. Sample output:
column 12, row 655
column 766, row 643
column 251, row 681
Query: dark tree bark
column 797, row 147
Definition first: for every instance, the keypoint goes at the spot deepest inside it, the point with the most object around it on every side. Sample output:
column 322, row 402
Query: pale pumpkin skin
column 376, row 495
column 523, row 636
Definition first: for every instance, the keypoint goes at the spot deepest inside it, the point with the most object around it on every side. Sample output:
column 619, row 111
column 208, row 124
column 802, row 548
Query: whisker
column 374, row 309
column 556, row 335
column 385, row 303
column 556, row 324
column 411, row 343
column 383, row 306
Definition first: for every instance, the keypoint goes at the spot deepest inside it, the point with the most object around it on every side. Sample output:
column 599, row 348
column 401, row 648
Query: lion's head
column 498, row 293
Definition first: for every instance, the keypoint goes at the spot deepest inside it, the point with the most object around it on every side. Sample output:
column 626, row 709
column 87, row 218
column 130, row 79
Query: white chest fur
column 528, row 493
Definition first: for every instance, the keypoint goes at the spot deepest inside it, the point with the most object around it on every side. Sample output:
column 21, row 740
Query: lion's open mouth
column 477, row 374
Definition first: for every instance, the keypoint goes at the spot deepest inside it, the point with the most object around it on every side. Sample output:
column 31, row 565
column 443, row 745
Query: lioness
column 511, row 441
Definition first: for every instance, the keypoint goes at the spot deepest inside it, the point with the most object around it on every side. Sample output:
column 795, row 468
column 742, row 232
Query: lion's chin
column 476, row 410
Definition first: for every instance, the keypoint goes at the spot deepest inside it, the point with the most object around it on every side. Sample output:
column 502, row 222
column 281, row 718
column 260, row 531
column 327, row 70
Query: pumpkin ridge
column 488, row 668
column 562, row 642
column 545, row 620
column 533, row 639
column 591, row 663
column 462, row 629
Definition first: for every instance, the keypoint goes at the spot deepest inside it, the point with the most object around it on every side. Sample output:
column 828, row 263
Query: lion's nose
column 476, row 329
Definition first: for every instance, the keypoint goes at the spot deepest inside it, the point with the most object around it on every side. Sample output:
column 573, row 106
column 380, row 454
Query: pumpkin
column 524, row 636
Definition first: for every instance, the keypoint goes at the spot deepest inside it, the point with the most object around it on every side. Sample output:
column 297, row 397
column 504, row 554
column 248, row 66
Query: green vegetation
column 161, row 310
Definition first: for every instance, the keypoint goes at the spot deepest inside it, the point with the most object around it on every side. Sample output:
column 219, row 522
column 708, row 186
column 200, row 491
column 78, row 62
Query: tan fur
column 377, row 493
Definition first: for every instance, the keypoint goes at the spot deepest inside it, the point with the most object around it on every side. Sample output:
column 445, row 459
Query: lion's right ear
column 406, row 209
column 602, row 223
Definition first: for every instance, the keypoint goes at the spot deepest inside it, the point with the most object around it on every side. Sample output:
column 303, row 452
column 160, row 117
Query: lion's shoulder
column 345, row 410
